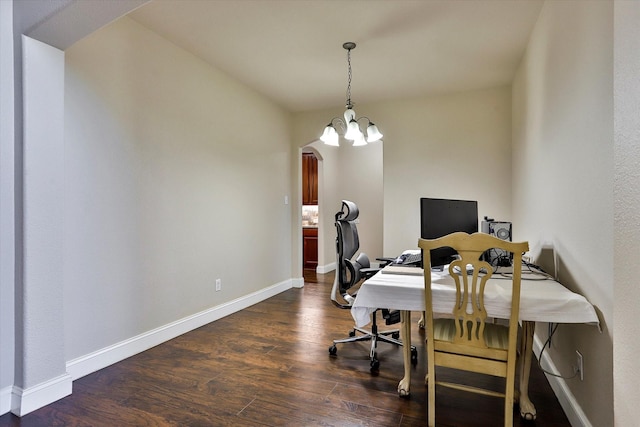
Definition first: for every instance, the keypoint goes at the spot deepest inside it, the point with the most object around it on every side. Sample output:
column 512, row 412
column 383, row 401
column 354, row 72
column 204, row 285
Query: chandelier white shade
column 349, row 126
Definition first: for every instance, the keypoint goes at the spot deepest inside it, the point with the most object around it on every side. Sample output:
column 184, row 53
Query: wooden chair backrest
column 469, row 308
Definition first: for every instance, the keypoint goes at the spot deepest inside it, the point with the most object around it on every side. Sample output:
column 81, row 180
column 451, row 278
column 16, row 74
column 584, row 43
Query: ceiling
column 291, row 50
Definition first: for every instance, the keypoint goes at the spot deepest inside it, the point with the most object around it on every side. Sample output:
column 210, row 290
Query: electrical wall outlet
column 579, row 368
column 218, row 284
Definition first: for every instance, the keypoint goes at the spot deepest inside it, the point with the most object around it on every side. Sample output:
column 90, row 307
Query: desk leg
column 527, row 409
column 405, row 334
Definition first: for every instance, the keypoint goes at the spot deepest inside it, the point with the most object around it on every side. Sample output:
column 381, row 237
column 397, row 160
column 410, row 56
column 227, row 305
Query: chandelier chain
column 349, row 105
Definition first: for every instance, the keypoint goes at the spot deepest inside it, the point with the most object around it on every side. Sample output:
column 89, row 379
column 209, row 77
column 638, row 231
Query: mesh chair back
column 347, row 244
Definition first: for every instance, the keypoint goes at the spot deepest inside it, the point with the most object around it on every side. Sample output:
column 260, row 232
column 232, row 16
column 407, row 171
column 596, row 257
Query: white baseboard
column 297, row 283
column 567, row 400
column 27, row 400
column 322, row 269
column 84, row 365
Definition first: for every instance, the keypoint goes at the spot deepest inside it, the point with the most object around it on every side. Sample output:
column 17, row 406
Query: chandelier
column 349, row 126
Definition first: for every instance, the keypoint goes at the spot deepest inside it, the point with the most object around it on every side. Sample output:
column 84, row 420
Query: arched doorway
column 311, row 162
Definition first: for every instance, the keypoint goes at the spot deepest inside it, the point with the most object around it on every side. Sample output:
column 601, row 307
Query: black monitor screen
column 439, row 217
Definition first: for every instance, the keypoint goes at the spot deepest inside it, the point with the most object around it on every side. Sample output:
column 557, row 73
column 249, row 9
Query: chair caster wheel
column 333, row 350
column 352, row 334
column 375, row 365
column 395, row 335
column 414, row 356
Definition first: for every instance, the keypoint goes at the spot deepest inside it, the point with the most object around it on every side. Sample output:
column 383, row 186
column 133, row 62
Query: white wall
column 563, row 169
column 626, row 347
column 166, row 189
column 7, row 210
column 39, row 293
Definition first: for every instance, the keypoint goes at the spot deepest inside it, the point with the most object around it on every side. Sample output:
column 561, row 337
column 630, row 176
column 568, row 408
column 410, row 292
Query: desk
column 540, row 301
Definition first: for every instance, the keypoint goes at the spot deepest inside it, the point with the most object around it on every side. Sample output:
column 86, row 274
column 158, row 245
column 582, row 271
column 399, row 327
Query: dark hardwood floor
column 268, row 365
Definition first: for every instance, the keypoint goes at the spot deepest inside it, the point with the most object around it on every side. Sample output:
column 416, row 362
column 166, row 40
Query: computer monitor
column 439, row 217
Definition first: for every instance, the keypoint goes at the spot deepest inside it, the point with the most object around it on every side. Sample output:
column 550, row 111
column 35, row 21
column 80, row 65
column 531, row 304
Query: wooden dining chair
column 464, row 339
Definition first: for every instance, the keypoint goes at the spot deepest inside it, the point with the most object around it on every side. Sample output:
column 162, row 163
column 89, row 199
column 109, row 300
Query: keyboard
column 409, row 259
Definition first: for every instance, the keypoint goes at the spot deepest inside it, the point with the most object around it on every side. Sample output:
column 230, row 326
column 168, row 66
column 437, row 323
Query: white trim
column 322, row 269
column 297, row 283
column 102, row 358
column 25, row 401
column 570, row 405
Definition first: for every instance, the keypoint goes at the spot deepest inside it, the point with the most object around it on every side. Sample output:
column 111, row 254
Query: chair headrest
column 350, row 211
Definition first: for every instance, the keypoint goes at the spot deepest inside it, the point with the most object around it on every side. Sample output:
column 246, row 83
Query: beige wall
column 560, row 100
column 346, row 173
column 435, row 147
column 167, row 189
column 431, row 146
column 563, row 169
column 626, row 347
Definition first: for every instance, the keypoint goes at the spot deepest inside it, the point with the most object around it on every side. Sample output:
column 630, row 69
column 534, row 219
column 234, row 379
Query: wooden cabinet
column 310, row 247
column 309, row 197
column 309, row 179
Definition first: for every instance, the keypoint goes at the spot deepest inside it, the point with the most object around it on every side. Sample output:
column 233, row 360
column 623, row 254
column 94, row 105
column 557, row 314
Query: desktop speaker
column 501, row 230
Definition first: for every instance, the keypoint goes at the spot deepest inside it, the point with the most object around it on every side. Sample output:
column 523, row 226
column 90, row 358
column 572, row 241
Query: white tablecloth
column 540, row 300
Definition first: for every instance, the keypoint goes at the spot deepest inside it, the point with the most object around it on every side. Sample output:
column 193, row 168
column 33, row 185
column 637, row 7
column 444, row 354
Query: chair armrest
column 368, row 272
column 385, row 261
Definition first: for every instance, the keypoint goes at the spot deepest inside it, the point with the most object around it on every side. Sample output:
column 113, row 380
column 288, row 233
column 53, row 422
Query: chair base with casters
column 374, row 335
column 349, row 273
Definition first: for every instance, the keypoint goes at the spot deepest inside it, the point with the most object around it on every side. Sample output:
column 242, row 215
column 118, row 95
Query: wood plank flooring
column 268, row 365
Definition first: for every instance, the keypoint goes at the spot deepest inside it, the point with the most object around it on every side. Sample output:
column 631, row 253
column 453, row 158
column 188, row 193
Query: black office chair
column 348, row 274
